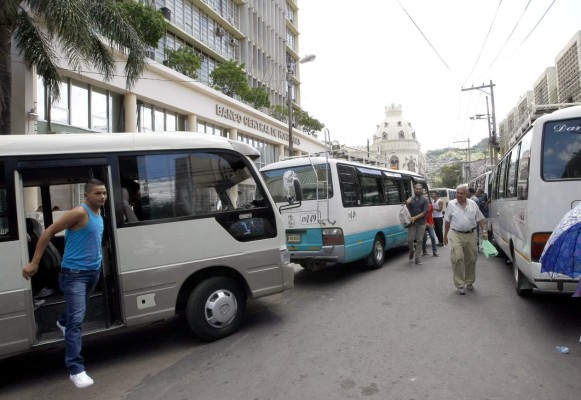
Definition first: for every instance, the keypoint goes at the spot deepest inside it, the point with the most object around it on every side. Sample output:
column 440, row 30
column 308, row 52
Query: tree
column 279, row 112
column 83, row 31
column 309, row 124
column 258, row 97
column 184, row 60
column 450, row 175
column 230, row 78
column 147, row 21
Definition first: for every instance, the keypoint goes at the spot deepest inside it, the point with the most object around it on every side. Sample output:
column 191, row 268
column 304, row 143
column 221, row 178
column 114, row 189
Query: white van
column 189, row 228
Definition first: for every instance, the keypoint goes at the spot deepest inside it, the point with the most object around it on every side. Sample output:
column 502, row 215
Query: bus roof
column 295, row 162
column 65, row 143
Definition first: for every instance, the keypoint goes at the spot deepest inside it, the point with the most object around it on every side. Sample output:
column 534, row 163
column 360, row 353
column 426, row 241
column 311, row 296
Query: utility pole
column 469, row 173
column 495, row 143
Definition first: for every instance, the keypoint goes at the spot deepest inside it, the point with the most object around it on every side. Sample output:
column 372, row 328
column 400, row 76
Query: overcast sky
column 372, row 55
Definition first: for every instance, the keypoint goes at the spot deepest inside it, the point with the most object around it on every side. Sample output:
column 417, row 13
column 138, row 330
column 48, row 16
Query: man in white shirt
column 462, row 217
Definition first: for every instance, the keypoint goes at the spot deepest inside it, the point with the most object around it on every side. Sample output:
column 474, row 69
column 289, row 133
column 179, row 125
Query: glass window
column 4, row 222
column 522, row 188
column 159, row 119
column 177, row 185
column 170, row 121
column 349, row 186
column 512, row 173
column 60, row 109
column 99, row 108
column 80, row 104
column 502, row 177
column 391, row 191
column 562, row 150
column 407, row 188
column 146, row 119
column 312, row 182
column 370, row 190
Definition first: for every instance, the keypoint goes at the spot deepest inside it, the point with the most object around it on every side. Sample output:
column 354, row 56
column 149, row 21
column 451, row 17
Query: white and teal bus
column 189, row 229
column 537, row 181
column 348, row 212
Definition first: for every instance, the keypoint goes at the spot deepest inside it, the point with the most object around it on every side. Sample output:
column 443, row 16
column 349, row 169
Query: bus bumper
column 562, row 284
column 326, row 257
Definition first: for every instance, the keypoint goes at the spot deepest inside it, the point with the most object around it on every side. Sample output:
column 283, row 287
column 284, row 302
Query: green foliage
column 230, row 79
column 147, row 21
column 450, row 176
column 309, row 124
column 279, row 112
column 184, row 60
column 86, row 32
column 258, row 97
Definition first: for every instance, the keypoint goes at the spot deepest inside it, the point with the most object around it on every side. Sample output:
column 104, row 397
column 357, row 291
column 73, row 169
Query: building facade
column 396, row 144
column 262, row 35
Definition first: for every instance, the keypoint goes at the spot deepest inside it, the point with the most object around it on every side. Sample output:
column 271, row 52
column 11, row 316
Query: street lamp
column 289, row 79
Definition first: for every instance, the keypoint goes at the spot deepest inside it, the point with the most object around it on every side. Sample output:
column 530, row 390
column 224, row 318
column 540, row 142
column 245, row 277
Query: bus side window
column 522, row 188
column 392, row 191
column 348, row 184
column 512, row 173
column 4, row 223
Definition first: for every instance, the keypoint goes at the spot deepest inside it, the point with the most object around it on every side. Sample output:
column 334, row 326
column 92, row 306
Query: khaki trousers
column 416, row 232
column 464, row 254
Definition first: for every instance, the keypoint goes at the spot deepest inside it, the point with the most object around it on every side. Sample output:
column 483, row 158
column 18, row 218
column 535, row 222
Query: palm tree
column 84, row 31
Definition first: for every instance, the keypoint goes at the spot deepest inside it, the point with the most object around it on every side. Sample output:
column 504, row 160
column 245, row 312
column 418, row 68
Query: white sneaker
column 81, row 380
column 62, row 328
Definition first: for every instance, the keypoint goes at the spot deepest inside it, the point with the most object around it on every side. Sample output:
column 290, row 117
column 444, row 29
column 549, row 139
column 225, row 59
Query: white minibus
column 189, row 228
column 348, row 212
column 537, row 181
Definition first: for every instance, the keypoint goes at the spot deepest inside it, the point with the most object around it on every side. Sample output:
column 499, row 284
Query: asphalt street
column 400, row 332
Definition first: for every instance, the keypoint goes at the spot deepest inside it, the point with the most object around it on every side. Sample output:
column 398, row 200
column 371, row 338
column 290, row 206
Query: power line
column 427, row 40
column 485, row 41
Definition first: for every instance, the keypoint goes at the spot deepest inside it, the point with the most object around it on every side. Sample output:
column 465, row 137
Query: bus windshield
column 311, row 177
column 562, row 150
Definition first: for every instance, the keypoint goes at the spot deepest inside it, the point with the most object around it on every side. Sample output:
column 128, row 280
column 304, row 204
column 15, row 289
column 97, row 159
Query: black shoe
column 436, row 255
column 440, row 245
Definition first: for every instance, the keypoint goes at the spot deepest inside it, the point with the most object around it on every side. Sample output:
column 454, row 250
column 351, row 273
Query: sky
column 371, row 54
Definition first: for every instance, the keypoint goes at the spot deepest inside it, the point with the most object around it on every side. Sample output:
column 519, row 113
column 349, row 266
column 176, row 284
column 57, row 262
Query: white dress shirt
column 463, row 219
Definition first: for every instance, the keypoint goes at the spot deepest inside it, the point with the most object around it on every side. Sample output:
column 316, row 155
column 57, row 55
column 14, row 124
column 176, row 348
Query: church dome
column 394, row 126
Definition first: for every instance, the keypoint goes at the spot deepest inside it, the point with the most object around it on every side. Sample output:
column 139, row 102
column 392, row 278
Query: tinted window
column 312, row 179
column 371, row 190
column 502, row 177
column 562, row 150
column 512, row 173
column 348, row 183
column 392, row 191
column 4, row 226
column 176, row 185
column 522, row 188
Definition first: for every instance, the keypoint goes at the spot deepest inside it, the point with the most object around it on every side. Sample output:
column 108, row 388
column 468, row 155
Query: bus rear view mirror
column 298, row 190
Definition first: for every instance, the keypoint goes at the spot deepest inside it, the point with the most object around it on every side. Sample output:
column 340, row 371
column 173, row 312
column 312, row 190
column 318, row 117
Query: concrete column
column 192, row 123
column 233, row 134
column 130, row 106
column 280, row 150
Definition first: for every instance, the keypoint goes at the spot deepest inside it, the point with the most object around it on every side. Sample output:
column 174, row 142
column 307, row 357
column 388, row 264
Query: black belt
column 470, row 231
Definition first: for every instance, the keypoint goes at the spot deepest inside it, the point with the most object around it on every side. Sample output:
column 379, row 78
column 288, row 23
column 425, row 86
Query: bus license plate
column 293, row 237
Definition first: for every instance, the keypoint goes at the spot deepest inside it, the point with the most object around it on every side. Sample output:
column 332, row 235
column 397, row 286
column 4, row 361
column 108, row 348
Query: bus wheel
column 521, row 283
column 216, row 308
column 377, row 255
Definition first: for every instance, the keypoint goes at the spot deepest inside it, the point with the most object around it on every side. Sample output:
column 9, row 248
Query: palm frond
column 36, row 49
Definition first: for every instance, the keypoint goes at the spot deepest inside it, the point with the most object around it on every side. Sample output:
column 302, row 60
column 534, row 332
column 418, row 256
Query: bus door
column 49, row 189
column 15, row 297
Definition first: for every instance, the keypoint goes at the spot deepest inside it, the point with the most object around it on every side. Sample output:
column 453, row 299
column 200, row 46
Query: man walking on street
column 418, row 207
column 81, row 266
column 462, row 217
column 438, row 207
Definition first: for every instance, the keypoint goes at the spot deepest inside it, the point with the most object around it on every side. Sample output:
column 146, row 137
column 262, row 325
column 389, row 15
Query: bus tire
column 216, row 308
column 377, row 256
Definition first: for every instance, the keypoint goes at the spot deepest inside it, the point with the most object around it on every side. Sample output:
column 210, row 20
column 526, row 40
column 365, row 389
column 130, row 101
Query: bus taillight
column 333, row 236
column 538, row 242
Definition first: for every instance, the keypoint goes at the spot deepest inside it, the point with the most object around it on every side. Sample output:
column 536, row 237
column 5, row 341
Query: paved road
column 400, row 332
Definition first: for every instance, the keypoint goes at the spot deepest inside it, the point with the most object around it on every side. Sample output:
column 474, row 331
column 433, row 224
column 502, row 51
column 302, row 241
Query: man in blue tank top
column 81, row 266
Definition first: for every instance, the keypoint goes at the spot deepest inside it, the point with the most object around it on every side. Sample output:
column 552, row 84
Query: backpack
column 405, row 216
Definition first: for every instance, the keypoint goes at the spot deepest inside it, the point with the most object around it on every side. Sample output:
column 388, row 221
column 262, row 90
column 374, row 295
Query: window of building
column 394, row 162
column 401, row 135
column 80, row 105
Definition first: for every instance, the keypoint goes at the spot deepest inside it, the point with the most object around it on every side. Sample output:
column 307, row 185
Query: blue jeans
column 77, row 287
column 430, row 231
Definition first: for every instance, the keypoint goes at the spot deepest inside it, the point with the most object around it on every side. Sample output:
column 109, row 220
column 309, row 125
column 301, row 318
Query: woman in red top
column 430, row 231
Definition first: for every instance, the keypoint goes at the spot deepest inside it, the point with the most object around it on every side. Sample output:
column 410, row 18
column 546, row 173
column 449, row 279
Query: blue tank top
column 83, row 246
